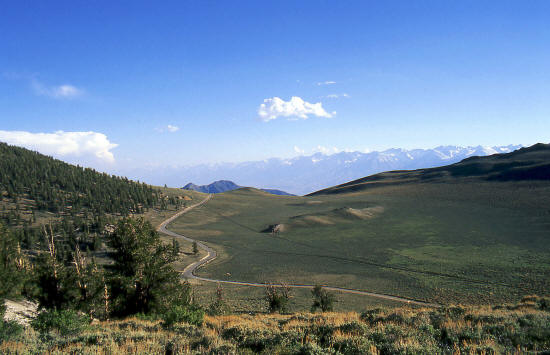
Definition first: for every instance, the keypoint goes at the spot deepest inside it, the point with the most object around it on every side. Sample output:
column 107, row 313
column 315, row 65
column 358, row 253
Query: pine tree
column 13, row 265
column 142, row 277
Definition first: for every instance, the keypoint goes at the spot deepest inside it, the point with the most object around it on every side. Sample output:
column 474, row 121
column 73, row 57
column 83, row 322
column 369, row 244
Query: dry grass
column 513, row 329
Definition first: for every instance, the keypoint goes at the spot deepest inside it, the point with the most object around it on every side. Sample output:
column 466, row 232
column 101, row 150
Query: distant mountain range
column 305, row 174
column 525, row 164
column 225, row 185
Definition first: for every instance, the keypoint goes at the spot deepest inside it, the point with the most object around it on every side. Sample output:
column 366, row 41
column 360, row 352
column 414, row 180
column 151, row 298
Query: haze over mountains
column 305, row 174
column 525, row 164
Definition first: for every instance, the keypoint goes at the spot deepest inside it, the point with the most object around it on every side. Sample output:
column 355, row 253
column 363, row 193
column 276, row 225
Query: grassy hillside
column 476, row 238
column 521, row 328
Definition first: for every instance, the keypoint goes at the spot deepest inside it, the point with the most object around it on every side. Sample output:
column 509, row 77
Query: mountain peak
column 213, row 188
column 224, row 186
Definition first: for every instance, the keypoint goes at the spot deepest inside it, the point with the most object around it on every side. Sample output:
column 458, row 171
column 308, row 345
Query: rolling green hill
column 474, row 232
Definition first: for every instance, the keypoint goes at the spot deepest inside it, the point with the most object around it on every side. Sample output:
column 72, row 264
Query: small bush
column 9, row 330
column 277, row 298
column 150, row 317
column 543, row 303
column 191, row 314
column 219, row 307
column 64, row 322
column 372, row 316
column 353, row 328
column 355, row 345
column 314, row 349
column 322, row 299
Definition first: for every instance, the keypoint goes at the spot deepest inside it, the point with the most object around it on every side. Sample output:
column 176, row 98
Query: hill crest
column 221, row 186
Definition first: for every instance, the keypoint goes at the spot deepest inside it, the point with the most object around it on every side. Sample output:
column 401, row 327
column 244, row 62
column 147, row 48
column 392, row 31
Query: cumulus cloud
column 337, row 96
column 294, row 108
column 64, row 144
column 65, row 91
column 328, row 82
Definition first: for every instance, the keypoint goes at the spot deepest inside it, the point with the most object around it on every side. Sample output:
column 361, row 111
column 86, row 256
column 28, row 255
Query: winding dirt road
column 189, row 271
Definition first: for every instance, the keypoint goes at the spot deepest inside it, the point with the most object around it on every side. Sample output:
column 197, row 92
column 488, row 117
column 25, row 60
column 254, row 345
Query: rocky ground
column 20, row 311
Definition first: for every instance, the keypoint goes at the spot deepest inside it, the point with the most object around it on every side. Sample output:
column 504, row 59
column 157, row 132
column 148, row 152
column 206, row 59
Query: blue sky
column 182, row 82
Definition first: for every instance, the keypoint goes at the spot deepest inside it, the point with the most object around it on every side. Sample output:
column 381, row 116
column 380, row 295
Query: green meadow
column 474, row 242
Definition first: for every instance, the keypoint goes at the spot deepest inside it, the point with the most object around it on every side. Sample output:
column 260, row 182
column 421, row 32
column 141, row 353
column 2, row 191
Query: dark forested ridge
column 37, row 190
column 42, row 183
column 72, row 245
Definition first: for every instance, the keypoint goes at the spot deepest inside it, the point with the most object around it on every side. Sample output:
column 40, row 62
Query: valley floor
column 471, row 243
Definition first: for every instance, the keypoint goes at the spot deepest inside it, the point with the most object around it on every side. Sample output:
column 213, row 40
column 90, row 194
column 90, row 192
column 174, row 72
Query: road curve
column 210, row 253
column 189, row 271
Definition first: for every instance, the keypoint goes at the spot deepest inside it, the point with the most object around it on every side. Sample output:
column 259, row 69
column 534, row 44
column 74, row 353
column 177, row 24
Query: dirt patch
column 312, row 220
column 313, row 202
column 363, row 213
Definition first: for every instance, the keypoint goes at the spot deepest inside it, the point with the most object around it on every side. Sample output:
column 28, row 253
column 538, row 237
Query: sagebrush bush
column 509, row 329
column 219, row 307
column 191, row 314
column 9, row 330
column 64, row 322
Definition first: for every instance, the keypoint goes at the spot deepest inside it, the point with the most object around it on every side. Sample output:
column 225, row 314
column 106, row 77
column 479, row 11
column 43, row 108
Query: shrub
column 314, row 349
column 372, row 316
column 353, row 328
column 355, row 345
column 322, row 299
column 149, row 317
column 543, row 303
column 64, row 322
column 219, row 307
column 191, row 314
column 9, row 330
column 277, row 298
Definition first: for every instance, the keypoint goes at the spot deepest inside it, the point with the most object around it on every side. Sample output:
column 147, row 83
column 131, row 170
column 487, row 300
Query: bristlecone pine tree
column 143, row 279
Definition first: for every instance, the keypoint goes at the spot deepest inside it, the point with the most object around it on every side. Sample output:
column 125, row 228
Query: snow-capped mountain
column 305, row 174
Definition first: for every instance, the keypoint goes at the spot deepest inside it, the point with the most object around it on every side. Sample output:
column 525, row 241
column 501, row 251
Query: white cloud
column 298, row 150
column 337, row 96
column 64, row 144
column 323, row 150
column 65, row 91
column 328, row 82
column 296, row 107
column 326, row 150
column 169, row 128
